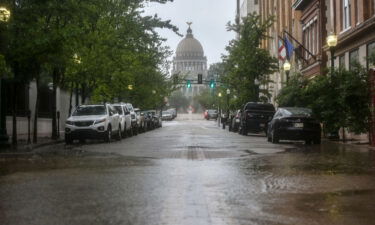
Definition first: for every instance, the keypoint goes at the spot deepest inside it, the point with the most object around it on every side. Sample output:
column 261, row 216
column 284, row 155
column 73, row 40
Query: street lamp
column 4, row 17
column 332, row 42
column 4, row 14
column 286, row 68
column 153, row 92
column 130, row 87
column 219, row 116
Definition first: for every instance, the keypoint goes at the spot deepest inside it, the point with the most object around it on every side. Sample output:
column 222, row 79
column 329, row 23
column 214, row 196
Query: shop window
column 342, row 61
column 370, row 53
column 353, row 58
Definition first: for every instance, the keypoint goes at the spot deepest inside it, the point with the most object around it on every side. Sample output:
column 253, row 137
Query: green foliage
column 115, row 44
column 246, row 61
column 178, row 100
column 207, row 99
column 340, row 99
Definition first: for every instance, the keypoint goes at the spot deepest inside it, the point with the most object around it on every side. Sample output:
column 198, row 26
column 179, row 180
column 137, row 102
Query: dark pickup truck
column 255, row 117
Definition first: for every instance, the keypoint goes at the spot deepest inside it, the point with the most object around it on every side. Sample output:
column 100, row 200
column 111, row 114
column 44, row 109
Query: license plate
column 262, row 125
column 298, row 125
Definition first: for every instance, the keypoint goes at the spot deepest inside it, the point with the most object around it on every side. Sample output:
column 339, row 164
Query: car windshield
column 89, row 111
column 130, row 107
column 212, row 111
column 118, row 108
column 297, row 112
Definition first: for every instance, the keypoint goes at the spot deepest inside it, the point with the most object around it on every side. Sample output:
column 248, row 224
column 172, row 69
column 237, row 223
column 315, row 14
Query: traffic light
column 200, row 80
column 188, row 84
column 212, row 83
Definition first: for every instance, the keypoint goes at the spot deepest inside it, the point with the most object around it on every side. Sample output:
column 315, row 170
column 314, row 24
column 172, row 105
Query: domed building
column 190, row 61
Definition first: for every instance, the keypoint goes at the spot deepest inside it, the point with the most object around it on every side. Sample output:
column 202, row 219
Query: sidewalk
column 23, row 147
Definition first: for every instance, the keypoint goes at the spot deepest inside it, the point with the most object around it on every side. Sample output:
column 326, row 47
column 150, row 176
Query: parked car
column 234, row 122
column 166, row 115
column 291, row 123
column 173, row 111
column 141, row 124
column 255, row 117
column 93, row 122
column 133, row 117
column 210, row 114
column 148, row 120
column 125, row 117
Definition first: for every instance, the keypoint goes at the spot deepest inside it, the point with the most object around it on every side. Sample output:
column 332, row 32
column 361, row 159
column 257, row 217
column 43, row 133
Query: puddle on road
column 67, row 159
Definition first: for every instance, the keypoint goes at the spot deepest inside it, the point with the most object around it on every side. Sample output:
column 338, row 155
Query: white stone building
column 188, row 62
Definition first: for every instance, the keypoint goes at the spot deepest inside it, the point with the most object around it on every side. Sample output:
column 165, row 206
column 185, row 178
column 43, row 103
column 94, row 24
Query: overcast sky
column 209, row 19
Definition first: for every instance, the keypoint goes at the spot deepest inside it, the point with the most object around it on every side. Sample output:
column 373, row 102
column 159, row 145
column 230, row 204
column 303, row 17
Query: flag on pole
column 289, row 48
column 282, row 50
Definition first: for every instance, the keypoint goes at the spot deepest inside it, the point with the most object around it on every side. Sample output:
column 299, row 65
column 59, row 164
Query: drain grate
column 198, row 153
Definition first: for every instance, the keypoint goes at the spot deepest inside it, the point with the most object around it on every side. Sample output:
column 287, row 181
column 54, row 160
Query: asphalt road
column 189, row 172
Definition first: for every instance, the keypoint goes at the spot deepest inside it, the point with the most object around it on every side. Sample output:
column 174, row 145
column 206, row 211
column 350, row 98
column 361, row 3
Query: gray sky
column 209, row 19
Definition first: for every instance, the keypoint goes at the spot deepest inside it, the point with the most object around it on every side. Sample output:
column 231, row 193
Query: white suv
column 125, row 118
column 133, row 117
column 93, row 122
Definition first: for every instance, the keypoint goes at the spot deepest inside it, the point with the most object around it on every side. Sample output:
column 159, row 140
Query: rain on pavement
column 189, row 172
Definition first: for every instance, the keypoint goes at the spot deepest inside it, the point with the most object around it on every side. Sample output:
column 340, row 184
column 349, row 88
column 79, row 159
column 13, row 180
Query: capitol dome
column 189, row 46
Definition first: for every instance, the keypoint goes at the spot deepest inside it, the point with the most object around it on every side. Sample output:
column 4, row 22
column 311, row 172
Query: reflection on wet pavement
column 190, row 172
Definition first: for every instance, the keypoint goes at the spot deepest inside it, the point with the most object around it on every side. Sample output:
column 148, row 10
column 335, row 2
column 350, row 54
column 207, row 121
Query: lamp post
column 286, row 68
column 332, row 42
column 219, row 116
column 4, row 17
column 256, row 82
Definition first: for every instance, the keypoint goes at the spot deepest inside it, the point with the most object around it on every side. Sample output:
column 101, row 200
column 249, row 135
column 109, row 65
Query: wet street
column 189, row 172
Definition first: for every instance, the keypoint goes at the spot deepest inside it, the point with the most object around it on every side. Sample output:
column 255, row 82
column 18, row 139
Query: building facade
column 353, row 21
column 188, row 62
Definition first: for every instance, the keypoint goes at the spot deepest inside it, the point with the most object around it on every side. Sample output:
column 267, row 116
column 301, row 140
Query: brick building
column 353, row 21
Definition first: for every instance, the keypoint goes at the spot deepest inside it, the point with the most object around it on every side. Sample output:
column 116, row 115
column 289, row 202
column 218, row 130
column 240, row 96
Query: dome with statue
column 189, row 46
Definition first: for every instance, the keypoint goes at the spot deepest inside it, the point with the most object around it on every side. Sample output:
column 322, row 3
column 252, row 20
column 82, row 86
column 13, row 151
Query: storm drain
column 199, row 153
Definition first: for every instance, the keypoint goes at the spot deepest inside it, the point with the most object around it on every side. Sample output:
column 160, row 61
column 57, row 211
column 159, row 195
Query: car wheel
column 108, row 134
column 119, row 133
column 244, row 131
column 131, row 132
column 275, row 138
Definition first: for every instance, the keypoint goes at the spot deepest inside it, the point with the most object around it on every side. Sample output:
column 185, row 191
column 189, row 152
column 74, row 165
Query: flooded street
column 189, row 172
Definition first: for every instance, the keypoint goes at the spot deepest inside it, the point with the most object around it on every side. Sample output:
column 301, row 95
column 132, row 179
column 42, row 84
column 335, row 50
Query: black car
column 255, row 117
column 291, row 123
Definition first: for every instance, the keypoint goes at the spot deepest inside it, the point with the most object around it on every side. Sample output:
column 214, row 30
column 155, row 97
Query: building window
column 346, row 14
column 342, row 61
column 353, row 58
column 370, row 52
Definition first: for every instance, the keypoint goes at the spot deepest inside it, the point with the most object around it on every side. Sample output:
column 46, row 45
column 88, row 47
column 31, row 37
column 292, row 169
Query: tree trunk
column 14, row 114
column 83, row 94
column 35, row 130
column 343, row 135
column 71, row 99
column 77, row 96
column 54, row 93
